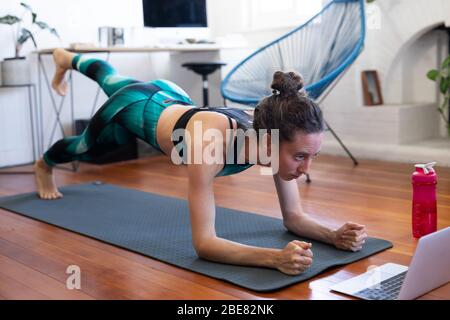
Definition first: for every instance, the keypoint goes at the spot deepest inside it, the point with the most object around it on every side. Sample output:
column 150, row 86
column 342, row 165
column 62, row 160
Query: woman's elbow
column 201, row 248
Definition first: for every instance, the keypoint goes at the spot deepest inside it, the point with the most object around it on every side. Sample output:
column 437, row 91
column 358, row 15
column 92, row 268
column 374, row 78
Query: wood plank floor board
column 23, row 235
column 34, row 255
column 40, row 282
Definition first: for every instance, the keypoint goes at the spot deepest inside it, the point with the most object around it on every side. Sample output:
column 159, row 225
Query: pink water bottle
column 424, row 209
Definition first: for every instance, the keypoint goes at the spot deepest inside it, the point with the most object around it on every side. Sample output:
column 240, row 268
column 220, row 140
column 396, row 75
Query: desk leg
column 37, row 112
column 30, row 105
column 40, row 112
column 56, row 109
column 75, row 164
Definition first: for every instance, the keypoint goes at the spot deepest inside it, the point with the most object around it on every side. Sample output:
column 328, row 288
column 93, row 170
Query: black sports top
column 244, row 121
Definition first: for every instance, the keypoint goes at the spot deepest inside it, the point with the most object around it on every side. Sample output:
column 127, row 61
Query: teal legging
column 132, row 109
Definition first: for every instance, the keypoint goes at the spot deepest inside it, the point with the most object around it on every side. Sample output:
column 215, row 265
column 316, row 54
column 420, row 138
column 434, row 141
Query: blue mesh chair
column 321, row 50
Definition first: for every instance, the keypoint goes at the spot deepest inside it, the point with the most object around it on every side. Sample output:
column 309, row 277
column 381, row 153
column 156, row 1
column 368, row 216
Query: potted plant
column 442, row 76
column 15, row 70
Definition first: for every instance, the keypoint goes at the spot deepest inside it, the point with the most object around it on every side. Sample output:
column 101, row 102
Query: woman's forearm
column 225, row 251
column 303, row 225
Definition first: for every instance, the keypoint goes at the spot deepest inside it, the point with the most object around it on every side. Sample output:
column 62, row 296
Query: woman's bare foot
column 63, row 62
column 45, row 181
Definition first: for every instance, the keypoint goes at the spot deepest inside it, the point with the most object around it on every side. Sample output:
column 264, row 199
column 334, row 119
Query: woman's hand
column 295, row 258
column 351, row 236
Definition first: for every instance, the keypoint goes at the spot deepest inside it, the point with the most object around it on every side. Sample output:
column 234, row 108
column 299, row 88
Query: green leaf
column 9, row 19
column 54, row 32
column 45, row 26
column 26, row 6
column 32, row 38
column 25, row 35
column 42, row 25
column 443, row 85
column 432, row 74
column 446, row 63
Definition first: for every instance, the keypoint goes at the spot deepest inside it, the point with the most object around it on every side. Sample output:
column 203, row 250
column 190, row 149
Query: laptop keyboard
column 385, row 290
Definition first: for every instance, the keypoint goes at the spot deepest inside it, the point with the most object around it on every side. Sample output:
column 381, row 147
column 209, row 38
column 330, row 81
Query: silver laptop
column 429, row 269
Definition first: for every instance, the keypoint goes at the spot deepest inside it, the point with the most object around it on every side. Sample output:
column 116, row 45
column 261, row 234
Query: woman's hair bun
column 287, row 83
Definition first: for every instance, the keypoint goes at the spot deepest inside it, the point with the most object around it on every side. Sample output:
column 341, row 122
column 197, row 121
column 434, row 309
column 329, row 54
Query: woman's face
column 295, row 156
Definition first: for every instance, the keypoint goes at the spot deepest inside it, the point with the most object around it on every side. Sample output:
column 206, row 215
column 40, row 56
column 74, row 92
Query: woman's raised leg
column 96, row 69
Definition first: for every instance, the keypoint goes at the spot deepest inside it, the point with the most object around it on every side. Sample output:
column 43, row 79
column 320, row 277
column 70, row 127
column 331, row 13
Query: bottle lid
column 426, row 167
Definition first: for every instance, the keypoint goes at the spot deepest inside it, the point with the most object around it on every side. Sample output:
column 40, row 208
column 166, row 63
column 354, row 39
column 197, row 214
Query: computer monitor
column 175, row 13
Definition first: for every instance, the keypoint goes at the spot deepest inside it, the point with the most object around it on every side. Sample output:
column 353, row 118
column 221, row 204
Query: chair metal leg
column 205, row 91
column 355, row 162
column 308, row 179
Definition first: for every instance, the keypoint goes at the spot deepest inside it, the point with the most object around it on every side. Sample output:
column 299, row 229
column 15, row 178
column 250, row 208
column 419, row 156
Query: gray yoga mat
column 158, row 227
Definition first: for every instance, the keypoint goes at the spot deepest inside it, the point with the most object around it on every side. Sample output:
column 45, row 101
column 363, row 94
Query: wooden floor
column 34, row 256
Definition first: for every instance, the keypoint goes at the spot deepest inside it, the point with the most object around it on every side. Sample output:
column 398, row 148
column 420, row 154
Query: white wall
column 252, row 19
column 76, row 21
column 79, row 22
column 402, row 49
column 399, row 45
column 410, row 69
column 390, row 48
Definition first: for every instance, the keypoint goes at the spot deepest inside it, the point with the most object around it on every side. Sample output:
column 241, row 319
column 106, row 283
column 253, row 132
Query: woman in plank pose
column 154, row 110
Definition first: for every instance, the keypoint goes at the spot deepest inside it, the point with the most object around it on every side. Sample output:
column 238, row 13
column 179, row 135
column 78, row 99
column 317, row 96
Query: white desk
column 172, row 48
